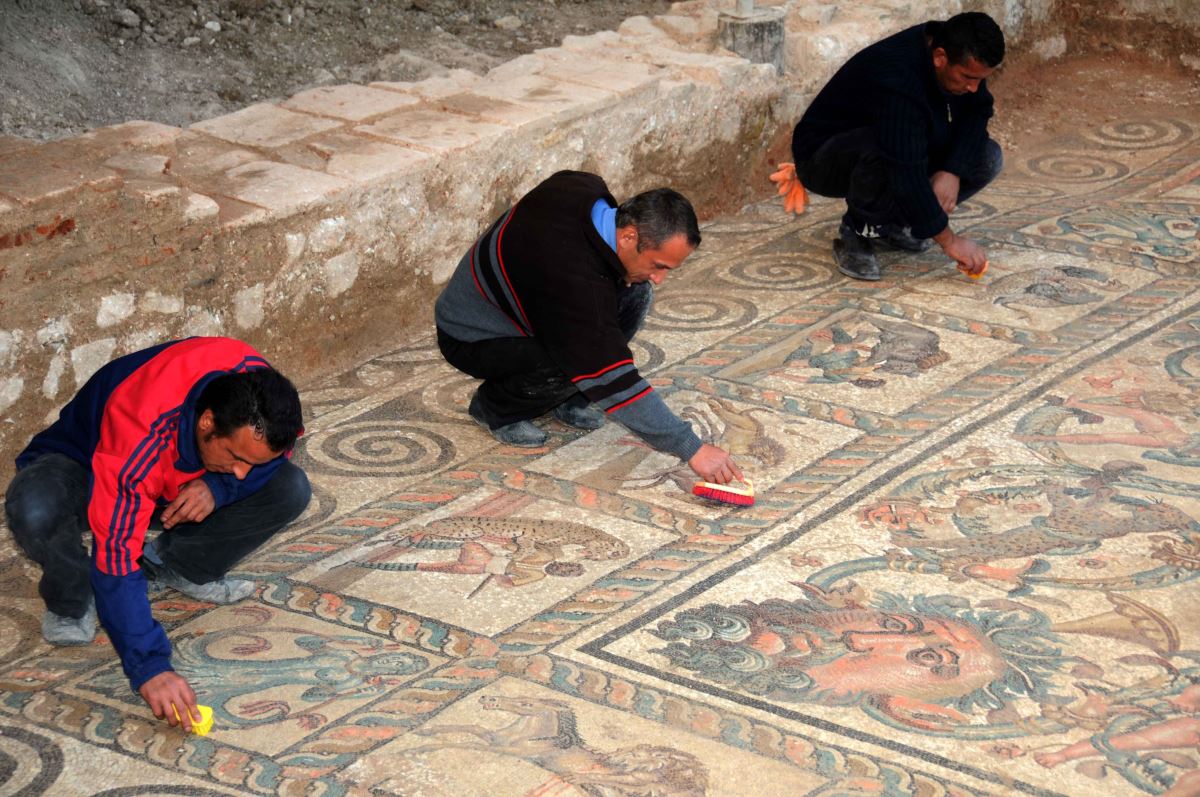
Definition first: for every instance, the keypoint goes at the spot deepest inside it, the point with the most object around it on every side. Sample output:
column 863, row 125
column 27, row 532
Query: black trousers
column 851, row 165
column 520, row 380
column 46, row 506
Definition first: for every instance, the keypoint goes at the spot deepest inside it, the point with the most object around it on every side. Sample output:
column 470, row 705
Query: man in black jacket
column 543, row 306
column 900, row 131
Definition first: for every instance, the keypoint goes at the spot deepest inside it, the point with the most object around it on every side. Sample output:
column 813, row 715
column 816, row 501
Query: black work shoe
column 854, row 255
column 898, row 237
column 522, row 434
column 576, row 413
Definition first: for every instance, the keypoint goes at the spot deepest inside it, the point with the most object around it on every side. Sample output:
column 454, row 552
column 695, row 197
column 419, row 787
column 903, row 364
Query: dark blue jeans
column 851, row 165
column 46, row 506
column 520, row 380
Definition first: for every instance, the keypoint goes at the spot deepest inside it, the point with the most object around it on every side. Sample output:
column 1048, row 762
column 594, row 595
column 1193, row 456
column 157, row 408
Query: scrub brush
column 726, row 493
column 202, row 727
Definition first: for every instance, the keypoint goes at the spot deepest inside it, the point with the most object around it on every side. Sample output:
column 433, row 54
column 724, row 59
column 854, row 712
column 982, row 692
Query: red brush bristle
column 725, row 493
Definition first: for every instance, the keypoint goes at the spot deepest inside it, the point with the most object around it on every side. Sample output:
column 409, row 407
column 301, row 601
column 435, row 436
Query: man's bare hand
column 713, row 464
column 167, row 693
column 194, row 503
column 970, row 256
column 945, row 188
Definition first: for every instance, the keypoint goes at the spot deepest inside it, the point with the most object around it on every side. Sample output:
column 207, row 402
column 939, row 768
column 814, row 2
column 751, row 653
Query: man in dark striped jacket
column 543, row 307
column 900, row 131
column 192, row 435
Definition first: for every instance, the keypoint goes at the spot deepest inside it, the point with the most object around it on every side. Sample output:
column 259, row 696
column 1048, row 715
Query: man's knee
column 293, row 490
column 633, row 306
column 993, row 161
column 37, row 503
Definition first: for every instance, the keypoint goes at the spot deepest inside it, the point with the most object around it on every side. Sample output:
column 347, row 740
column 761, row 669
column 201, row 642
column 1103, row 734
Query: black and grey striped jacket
column 542, row 270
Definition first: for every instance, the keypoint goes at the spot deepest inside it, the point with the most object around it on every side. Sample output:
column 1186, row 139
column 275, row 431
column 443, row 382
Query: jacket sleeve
column 124, row 610
column 900, row 129
column 119, row 511
column 576, row 320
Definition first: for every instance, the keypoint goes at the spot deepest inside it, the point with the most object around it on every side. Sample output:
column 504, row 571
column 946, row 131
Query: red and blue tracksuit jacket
column 133, row 426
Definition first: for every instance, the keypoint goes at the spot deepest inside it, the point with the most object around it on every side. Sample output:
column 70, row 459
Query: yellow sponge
column 202, row 727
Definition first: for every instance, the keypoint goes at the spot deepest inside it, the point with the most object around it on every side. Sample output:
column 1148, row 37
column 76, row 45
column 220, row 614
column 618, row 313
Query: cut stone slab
column 198, row 158
column 12, row 144
column 142, row 164
column 280, row 187
column 50, row 172
column 139, row 135
column 431, row 130
column 554, row 97
column 264, row 125
column 434, row 87
column 622, row 76
column 350, row 102
column 491, row 109
column 362, row 159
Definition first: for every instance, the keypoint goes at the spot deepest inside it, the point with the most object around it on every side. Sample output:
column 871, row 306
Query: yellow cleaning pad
column 202, row 727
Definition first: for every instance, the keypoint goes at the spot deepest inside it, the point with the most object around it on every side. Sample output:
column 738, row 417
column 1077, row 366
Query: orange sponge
column 963, row 269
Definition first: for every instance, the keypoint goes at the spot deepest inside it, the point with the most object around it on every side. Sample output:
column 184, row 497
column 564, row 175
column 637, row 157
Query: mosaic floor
column 970, row 569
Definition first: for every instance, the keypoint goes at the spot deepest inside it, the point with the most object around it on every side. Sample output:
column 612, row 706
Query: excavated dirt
column 70, row 65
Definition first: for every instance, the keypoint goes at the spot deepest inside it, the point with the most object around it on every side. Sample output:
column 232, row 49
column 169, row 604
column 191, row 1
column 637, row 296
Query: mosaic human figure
column 1179, row 733
column 546, row 733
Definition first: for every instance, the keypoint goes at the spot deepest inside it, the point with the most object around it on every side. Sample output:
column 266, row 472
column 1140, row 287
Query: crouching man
column 543, row 306
column 194, row 435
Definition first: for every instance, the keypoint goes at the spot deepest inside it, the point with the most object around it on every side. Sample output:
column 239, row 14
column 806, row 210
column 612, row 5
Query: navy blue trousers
column 46, row 506
column 520, row 380
column 851, row 165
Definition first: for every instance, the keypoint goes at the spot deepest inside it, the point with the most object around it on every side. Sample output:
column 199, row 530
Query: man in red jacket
column 194, row 434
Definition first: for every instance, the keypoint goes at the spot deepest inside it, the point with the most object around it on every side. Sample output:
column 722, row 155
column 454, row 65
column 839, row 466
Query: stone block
column 264, row 125
column 153, row 191
column 757, row 36
column 431, row 130
column 556, row 99
column 280, row 187
column 619, row 75
column 10, row 145
column 198, row 156
column 362, row 159
column 198, row 207
column 52, row 171
column 491, row 109
column 136, row 135
column 434, row 87
column 140, row 164
column 349, row 102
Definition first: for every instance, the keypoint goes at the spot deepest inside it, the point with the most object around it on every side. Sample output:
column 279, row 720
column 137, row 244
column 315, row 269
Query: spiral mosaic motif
column 1142, row 134
column 1071, row 167
column 381, row 449
column 696, row 312
column 448, row 396
column 772, row 271
column 973, row 210
column 646, row 355
column 29, row 763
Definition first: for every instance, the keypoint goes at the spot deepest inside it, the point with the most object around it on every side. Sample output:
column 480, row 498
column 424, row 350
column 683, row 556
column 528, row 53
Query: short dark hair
column 264, row 400
column 972, row 34
column 659, row 215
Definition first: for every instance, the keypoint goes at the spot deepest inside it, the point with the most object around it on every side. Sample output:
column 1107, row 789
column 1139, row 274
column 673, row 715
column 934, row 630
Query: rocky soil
column 69, row 65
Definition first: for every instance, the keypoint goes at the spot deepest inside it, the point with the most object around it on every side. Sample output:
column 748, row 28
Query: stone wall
column 320, row 228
